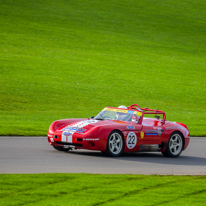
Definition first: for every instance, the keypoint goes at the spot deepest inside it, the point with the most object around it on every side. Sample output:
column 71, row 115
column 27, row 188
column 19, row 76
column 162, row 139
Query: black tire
column 115, row 144
column 174, row 146
column 59, row 148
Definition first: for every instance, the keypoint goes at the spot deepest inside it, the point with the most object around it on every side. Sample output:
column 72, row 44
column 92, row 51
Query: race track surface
column 35, row 155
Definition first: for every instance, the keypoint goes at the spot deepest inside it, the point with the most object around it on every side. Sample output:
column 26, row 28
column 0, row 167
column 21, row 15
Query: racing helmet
column 119, row 115
column 123, row 107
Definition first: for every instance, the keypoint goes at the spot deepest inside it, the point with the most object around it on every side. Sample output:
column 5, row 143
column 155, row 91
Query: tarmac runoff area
column 35, row 155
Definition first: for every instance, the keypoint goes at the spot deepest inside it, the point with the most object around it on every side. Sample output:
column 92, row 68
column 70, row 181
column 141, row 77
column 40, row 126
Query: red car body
column 113, row 136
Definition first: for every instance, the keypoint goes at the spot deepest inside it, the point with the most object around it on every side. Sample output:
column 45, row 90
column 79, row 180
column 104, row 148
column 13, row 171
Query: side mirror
column 92, row 117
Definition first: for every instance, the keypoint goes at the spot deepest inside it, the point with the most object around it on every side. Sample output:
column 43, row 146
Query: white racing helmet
column 119, row 115
column 123, row 107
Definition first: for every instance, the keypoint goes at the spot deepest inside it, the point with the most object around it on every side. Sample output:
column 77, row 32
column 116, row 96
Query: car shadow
column 149, row 157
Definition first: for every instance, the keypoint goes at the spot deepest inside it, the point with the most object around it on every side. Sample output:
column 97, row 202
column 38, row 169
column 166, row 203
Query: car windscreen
column 119, row 114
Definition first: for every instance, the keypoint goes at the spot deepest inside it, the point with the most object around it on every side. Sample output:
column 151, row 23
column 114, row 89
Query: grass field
column 96, row 190
column 63, row 59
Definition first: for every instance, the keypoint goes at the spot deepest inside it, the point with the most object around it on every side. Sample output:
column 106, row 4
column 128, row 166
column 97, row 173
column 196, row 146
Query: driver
column 122, row 116
column 123, row 107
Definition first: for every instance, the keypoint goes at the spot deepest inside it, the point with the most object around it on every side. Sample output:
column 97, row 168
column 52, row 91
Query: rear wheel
column 175, row 145
column 115, row 144
column 59, row 148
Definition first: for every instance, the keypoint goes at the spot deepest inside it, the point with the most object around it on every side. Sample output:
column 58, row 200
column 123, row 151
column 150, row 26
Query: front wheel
column 174, row 146
column 115, row 144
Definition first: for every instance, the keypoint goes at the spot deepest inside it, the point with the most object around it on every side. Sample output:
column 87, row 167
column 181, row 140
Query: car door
column 151, row 133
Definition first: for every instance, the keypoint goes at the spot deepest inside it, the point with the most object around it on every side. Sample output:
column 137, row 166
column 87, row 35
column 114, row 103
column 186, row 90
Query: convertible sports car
column 123, row 129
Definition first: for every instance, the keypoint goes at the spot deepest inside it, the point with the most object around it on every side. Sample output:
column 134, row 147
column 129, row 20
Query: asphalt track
column 35, row 155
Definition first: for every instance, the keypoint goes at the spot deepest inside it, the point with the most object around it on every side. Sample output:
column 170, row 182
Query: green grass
column 63, row 59
column 96, row 190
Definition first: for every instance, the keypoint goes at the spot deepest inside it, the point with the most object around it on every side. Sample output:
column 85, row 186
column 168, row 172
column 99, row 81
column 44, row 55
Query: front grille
column 67, row 143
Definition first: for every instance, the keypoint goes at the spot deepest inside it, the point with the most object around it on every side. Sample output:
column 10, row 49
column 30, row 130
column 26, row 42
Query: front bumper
column 78, row 142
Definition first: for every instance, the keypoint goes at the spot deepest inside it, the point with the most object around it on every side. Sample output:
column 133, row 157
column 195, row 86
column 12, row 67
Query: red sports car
column 123, row 129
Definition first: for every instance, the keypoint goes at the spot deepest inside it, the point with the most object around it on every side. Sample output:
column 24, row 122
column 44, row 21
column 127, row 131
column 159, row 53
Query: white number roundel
column 131, row 140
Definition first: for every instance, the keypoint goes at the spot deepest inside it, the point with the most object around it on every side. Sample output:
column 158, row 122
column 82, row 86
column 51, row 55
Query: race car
column 116, row 130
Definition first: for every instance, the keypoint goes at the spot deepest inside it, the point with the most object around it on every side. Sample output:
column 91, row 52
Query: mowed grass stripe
column 87, row 189
column 65, row 59
column 152, row 192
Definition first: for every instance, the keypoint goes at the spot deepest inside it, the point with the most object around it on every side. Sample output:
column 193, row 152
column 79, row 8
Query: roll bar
column 146, row 110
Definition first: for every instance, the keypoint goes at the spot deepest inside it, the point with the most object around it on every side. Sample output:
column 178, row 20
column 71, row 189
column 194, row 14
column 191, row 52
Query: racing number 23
column 131, row 140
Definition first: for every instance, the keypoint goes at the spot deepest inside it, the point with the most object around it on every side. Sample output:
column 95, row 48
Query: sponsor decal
column 117, row 110
column 131, row 140
column 138, row 113
column 67, row 133
column 142, row 135
column 120, row 122
column 154, row 132
column 67, row 136
column 130, row 112
column 160, row 130
column 91, row 139
column 123, row 111
column 176, row 127
column 125, row 133
column 130, row 127
column 76, row 127
column 151, row 132
column 83, row 123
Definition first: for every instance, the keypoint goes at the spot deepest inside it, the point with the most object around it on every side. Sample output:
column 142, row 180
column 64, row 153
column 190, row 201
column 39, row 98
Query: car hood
column 85, row 125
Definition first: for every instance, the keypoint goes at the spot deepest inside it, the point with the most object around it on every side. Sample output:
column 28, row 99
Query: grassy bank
column 86, row 189
column 64, row 59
